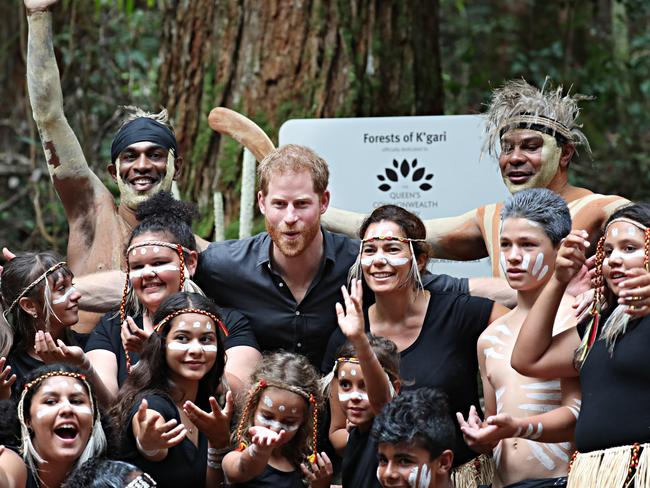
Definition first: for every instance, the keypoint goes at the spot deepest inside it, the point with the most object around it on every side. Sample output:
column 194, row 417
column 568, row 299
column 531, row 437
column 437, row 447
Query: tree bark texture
column 273, row 60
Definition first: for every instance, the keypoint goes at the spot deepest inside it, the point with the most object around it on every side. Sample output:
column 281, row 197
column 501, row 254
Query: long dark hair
column 152, row 374
column 17, row 334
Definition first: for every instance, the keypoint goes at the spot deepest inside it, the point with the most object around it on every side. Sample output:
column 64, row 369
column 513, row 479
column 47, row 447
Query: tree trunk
column 275, row 60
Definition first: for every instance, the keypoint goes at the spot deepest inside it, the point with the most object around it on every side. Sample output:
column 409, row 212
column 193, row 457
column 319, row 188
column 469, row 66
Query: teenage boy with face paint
column 538, row 135
column 144, row 160
column 529, row 421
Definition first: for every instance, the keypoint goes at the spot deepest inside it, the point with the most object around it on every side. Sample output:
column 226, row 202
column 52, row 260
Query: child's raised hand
column 351, row 319
column 318, row 473
column 571, row 256
column 264, row 438
column 475, row 432
column 57, row 352
column 214, row 424
column 154, row 434
column 6, row 379
column 133, row 337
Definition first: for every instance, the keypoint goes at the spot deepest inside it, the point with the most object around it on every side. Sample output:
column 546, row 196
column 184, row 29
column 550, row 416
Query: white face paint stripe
column 502, row 261
column 267, row 401
column 274, row 424
column 139, row 273
column 177, row 346
column 543, row 272
column 413, row 477
column 369, row 260
column 525, row 263
column 623, row 256
column 354, row 395
column 425, row 476
column 45, row 410
column 539, row 260
column 65, row 296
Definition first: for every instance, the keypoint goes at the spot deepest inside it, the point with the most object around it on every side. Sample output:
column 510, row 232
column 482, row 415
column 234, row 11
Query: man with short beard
column 287, row 280
column 144, row 160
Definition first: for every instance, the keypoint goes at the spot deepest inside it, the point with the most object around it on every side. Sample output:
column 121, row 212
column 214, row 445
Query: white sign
column 429, row 165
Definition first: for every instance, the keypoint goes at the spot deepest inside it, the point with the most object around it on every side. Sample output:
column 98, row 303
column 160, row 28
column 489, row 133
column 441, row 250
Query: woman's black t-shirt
column 615, row 395
column 359, row 469
column 273, row 478
column 443, row 355
column 185, row 463
column 106, row 336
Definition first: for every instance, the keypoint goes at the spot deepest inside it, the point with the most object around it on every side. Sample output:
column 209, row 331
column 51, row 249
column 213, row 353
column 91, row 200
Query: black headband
column 139, row 130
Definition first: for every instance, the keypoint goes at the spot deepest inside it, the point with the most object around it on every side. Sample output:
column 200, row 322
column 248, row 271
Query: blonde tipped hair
column 518, row 104
column 293, row 158
column 132, row 112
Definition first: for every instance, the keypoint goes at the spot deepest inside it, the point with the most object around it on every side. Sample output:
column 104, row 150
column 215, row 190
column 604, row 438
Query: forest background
column 274, row 60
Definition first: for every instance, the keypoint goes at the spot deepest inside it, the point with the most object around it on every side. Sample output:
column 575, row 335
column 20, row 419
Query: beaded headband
column 347, row 360
column 31, row 286
column 180, row 250
column 182, row 311
column 392, row 238
column 142, row 481
column 262, row 384
column 537, row 122
column 636, row 224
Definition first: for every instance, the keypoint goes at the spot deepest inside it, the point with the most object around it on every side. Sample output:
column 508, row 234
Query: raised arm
column 537, row 352
column 100, row 292
column 76, row 184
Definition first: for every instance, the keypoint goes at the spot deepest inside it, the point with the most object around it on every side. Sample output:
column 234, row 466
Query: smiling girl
column 169, row 419
column 608, row 352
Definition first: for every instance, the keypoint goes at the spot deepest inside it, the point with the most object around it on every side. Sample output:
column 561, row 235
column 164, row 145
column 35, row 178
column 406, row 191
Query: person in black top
column 161, row 257
column 171, row 425
column 608, row 351
column 367, row 375
column 415, row 437
column 40, row 306
column 435, row 332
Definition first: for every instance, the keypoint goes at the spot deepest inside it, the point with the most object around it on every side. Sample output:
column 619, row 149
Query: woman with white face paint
column 277, row 429
column 40, row 309
column 607, row 350
column 161, row 257
column 172, row 426
column 60, row 426
column 435, row 332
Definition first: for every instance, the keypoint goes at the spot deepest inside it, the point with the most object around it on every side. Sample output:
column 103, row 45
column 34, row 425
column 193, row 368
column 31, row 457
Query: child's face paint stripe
column 353, row 395
column 65, row 296
column 274, row 424
column 139, row 273
column 179, row 346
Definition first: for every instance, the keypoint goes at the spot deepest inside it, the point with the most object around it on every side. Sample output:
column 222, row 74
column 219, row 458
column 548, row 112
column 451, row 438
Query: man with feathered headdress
column 537, row 133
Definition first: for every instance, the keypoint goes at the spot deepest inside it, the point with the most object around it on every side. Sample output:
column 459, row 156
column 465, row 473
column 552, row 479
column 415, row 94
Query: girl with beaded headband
column 40, row 303
column 367, row 378
column 160, row 257
column 608, row 352
column 171, row 424
column 107, row 473
column 277, row 429
column 436, row 328
column 60, row 424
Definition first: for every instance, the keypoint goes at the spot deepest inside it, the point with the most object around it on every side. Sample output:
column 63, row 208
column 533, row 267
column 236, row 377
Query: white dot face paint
column 274, row 424
column 342, row 374
column 65, row 296
column 353, row 395
column 267, row 401
column 135, row 251
column 294, row 410
column 156, row 249
column 614, row 232
column 181, row 324
column 196, row 324
column 353, row 372
column 282, row 408
column 208, row 326
column 143, row 250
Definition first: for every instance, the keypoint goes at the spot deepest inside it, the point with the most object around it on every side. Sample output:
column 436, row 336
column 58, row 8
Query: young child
column 276, row 435
column 365, row 370
column 415, row 435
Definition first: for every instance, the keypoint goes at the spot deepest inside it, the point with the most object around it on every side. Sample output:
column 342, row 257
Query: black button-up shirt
column 239, row 274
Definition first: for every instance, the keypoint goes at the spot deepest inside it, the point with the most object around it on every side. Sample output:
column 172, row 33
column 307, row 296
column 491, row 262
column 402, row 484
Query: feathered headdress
column 519, row 105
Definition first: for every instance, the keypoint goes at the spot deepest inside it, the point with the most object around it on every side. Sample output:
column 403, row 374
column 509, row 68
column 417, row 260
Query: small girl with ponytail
column 276, row 434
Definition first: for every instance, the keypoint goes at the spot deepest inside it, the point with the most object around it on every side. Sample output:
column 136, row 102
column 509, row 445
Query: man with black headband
column 144, row 160
column 537, row 133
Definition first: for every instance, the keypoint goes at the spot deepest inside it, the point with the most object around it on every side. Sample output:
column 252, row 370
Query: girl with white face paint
column 40, row 309
column 60, row 426
column 166, row 408
column 276, row 433
column 608, row 351
column 365, row 378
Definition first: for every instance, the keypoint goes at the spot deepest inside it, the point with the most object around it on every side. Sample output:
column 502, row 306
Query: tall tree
column 275, row 60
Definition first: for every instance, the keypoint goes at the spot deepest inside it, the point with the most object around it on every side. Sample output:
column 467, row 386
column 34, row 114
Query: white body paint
column 525, row 262
column 503, row 329
column 282, row 408
column 491, row 353
column 274, row 424
column 65, row 296
column 267, row 401
column 369, row 260
column 177, row 346
column 354, row 395
column 45, row 410
column 139, row 273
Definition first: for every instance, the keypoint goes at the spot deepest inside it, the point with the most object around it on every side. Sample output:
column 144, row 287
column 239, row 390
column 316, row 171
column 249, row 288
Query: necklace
column 189, row 425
